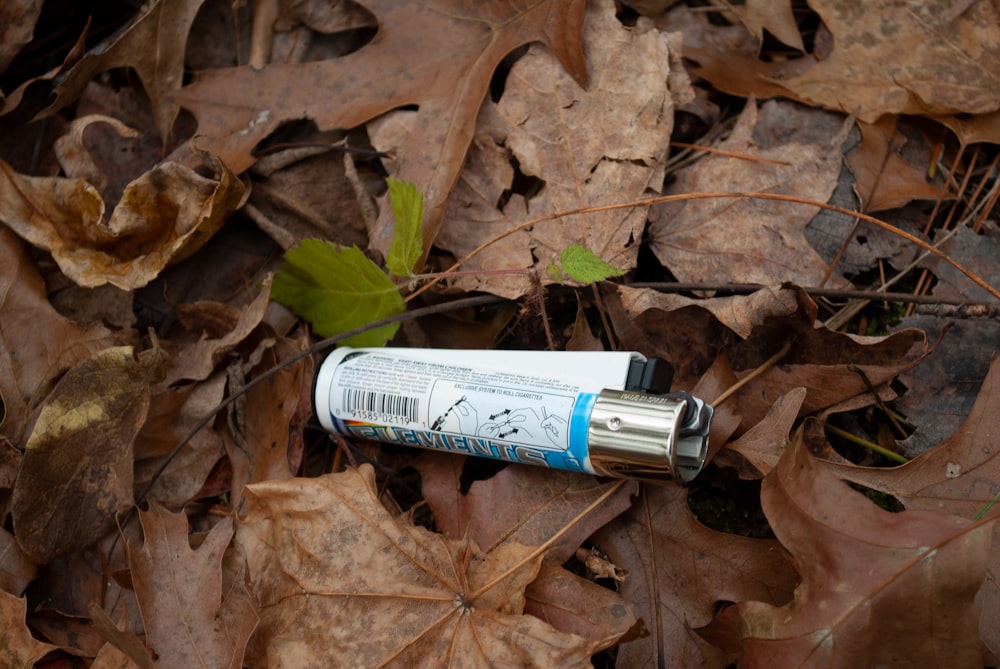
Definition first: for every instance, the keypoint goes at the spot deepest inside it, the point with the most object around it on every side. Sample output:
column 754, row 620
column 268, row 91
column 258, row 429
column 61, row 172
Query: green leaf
column 336, row 289
column 407, row 234
column 582, row 265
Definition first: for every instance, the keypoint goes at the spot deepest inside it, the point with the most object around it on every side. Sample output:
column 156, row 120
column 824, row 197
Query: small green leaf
column 408, row 234
column 582, row 265
column 336, row 289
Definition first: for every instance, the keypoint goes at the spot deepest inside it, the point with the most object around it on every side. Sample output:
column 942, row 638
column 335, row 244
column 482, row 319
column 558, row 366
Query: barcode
column 371, row 405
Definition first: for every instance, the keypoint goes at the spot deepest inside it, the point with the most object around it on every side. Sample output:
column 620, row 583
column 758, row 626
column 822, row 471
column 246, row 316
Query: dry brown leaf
column 17, row 27
column 741, row 240
column 578, row 606
column 37, row 344
column 960, row 475
column 153, row 45
column 16, row 568
column 164, row 216
column 763, row 444
column 942, row 389
column 883, row 178
column 340, row 581
column 739, row 313
column 77, row 469
column 679, row 569
column 261, row 425
column 874, row 67
column 408, row 62
column 218, row 329
column 878, row 588
column 831, row 366
column 593, row 147
column 775, row 16
column 537, row 503
column 910, row 58
column 190, row 620
column 20, row 649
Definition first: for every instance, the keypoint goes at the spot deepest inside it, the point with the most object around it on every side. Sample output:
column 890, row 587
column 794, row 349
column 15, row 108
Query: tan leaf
column 589, row 147
column 883, row 178
column 775, row 16
column 720, row 240
column 21, row 650
column 678, row 570
column 16, row 568
column 164, row 216
column 153, row 45
column 538, row 503
column 878, row 588
column 739, row 313
column 763, row 444
column 77, row 469
column 876, row 68
column 407, row 63
column 37, row 344
column 340, row 581
column 181, row 595
column 873, row 67
column 17, row 27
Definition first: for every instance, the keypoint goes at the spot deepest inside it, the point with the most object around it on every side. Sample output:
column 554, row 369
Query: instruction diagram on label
column 517, row 415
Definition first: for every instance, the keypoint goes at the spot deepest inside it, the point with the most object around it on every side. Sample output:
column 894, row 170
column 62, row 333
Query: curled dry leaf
column 740, row 240
column 678, row 570
column 878, row 588
column 164, row 216
column 76, row 474
column 763, row 444
column 340, row 581
column 589, row 147
column 37, row 344
column 408, row 62
column 191, row 619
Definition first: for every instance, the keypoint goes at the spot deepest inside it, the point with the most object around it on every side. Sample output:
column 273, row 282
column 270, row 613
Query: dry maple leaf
column 742, row 240
column 340, row 581
column 538, row 504
column 439, row 55
column 679, row 569
column 588, row 147
column 191, row 620
column 878, row 588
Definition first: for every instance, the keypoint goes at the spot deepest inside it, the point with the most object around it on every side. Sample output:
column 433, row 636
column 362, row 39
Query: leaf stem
column 763, row 367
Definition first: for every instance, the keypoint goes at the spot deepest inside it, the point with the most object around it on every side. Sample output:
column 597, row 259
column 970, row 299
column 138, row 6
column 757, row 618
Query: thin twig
column 766, row 365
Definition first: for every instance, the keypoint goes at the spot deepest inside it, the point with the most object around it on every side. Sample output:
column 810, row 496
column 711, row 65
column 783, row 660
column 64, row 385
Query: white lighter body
column 603, row 413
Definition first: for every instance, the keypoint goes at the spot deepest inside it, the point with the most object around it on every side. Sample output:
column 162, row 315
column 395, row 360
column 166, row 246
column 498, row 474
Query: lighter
column 597, row 412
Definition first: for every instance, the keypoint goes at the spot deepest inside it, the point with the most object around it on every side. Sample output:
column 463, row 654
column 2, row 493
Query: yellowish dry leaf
column 164, row 216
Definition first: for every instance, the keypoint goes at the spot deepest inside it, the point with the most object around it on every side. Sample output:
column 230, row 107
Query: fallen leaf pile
column 166, row 499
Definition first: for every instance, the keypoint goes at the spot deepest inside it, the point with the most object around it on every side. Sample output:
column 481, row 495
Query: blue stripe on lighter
column 579, row 424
